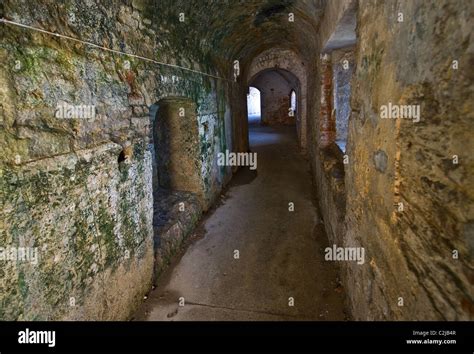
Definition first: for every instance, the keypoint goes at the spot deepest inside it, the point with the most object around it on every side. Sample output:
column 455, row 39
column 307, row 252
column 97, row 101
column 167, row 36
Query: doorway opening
column 292, row 109
column 254, row 110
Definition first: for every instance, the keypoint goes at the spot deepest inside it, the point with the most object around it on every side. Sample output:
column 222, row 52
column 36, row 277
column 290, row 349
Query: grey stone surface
column 380, row 160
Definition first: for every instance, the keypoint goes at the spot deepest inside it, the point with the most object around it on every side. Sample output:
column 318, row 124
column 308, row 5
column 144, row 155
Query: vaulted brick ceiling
column 226, row 30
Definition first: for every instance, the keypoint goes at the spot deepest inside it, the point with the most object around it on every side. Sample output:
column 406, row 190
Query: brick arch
column 275, row 105
column 288, row 60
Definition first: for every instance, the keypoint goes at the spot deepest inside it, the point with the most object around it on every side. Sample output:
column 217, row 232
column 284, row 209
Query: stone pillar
column 327, row 120
column 176, row 136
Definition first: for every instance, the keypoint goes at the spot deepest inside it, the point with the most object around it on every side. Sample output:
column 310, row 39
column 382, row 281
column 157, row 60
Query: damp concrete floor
column 280, row 272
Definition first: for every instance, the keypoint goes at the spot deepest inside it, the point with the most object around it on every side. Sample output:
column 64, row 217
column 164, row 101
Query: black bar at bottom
column 293, row 337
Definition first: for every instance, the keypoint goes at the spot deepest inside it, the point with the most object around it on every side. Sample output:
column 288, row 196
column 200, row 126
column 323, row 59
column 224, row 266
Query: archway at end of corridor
column 272, row 105
column 278, row 92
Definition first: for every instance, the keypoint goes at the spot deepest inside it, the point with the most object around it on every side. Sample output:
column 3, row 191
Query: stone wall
column 79, row 188
column 406, row 186
column 89, row 220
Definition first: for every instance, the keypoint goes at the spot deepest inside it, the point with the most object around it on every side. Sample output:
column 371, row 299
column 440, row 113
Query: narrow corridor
column 127, row 191
column 281, row 252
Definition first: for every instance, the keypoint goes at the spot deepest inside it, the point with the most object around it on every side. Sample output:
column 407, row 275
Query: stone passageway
column 281, row 252
column 114, row 118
